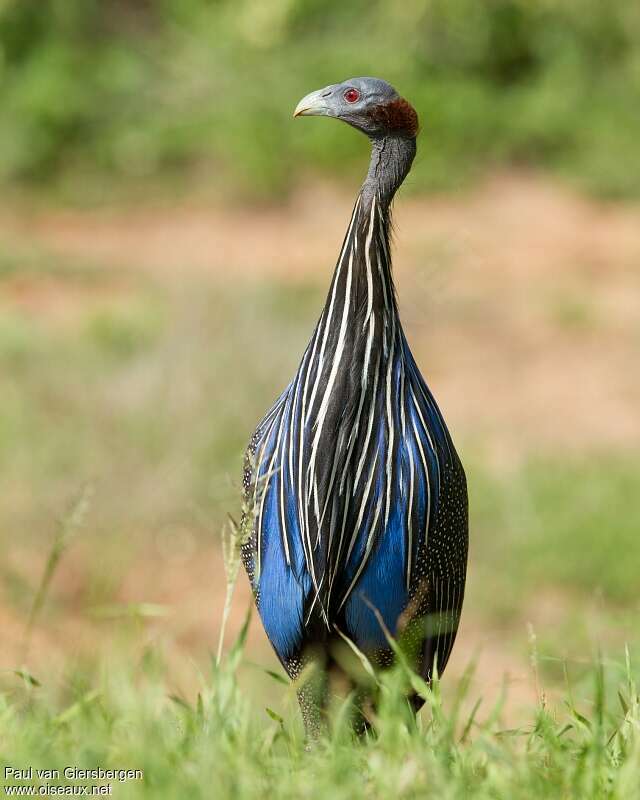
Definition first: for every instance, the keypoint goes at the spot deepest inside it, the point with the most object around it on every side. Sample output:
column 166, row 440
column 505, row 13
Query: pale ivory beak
column 313, row 105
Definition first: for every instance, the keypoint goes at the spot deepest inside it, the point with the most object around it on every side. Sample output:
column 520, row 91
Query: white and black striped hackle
column 356, row 499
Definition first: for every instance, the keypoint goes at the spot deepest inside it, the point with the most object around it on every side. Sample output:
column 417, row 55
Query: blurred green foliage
column 565, row 522
column 137, row 88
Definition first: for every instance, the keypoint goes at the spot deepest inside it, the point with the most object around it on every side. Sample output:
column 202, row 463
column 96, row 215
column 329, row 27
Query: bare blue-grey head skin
column 356, row 519
column 383, row 115
column 331, row 102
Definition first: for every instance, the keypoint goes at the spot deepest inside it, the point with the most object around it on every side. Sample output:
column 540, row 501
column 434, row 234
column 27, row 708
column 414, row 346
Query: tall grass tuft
column 68, row 528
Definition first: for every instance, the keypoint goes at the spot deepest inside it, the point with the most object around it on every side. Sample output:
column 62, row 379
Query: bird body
column 356, row 521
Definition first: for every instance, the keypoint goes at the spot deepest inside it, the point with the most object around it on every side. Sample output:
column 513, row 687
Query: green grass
column 555, row 543
column 219, row 745
column 565, row 522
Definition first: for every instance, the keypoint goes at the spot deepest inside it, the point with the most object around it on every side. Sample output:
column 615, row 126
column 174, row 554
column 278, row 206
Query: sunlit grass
column 216, row 744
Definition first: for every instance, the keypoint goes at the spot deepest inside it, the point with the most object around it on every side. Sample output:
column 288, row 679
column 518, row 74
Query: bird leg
column 313, row 696
column 363, row 710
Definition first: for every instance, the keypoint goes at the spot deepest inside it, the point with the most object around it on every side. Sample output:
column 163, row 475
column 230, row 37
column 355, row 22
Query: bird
column 355, row 522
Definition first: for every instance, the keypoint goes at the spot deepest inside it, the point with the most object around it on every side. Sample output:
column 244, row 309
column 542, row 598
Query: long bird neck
column 351, row 372
column 359, row 332
column 391, row 159
column 363, row 283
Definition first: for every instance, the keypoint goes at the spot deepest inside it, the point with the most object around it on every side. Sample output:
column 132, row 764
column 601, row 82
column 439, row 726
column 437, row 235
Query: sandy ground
column 522, row 300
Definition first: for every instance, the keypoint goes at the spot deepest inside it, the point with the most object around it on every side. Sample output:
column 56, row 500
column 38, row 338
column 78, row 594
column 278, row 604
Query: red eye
column 351, row 95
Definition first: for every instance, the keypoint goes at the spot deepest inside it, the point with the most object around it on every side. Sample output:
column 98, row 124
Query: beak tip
column 313, row 105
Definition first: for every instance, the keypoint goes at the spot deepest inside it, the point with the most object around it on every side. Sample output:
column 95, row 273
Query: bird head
column 369, row 104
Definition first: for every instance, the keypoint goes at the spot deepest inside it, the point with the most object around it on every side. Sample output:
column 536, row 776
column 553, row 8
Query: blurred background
column 167, row 237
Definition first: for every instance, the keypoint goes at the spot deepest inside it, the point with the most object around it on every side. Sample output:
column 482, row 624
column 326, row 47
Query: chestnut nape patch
column 398, row 115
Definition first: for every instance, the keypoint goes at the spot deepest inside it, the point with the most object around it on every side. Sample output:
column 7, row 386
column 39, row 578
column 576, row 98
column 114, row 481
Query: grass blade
column 67, row 529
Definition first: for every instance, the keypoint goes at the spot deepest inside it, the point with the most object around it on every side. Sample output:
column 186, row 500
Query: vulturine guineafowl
column 355, row 498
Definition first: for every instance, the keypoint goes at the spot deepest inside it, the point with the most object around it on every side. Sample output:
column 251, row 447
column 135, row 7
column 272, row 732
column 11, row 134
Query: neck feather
column 391, row 159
